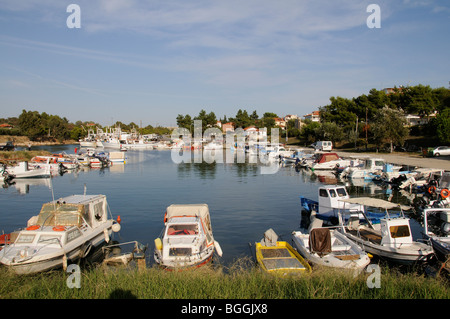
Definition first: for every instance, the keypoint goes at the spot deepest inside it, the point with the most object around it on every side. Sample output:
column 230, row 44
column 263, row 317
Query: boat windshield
column 180, row 251
column 399, row 231
column 61, row 214
column 25, row 238
column 182, row 229
column 49, row 239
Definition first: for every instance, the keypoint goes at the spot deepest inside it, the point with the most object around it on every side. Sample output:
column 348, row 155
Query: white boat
column 22, row 170
column 328, row 247
column 370, row 168
column 6, row 177
column 64, row 231
column 329, row 161
column 330, row 203
column 391, row 239
column 117, row 157
column 437, row 230
column 187, row 240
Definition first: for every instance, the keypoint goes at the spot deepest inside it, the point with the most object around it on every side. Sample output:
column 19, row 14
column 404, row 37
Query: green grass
column 239, row 281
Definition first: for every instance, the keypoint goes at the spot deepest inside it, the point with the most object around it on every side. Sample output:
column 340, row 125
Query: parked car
column 9, row 146
column 441, row 150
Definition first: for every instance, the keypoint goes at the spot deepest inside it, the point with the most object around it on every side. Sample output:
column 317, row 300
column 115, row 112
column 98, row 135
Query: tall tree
column 390, row 125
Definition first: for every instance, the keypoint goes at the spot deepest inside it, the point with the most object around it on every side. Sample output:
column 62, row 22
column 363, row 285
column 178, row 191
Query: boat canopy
column 188, row 210
column 73, row 211
column 375, row 202
column 61, row 214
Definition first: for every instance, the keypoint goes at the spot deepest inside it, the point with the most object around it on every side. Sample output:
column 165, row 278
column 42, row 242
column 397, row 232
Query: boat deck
column 366, row 235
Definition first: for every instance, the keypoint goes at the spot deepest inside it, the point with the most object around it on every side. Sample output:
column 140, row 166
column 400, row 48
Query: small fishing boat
column 326, row 246
column 329, row 161
column 391, row 239
column 279, row 257
column 187, row 240
column 22, row 170
column 332, row 201
column 64, row 231
column 437, row 230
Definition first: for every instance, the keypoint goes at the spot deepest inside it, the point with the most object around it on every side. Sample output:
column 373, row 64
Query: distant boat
column 187, row 240
column 64, row 231
column 22, row 170
column 278, row 257
column 329, row 161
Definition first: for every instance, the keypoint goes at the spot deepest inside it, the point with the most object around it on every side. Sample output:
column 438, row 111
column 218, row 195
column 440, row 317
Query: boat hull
column 404, row 255
column 281, row 259
column 56, row 259
column 345, row 255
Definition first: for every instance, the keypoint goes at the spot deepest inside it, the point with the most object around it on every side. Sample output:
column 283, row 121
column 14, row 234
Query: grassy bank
column 236, row 283
column 9, row 157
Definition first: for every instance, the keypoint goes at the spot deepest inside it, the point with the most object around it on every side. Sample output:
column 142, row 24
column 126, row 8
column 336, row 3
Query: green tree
column 390, row 125
column 185, row 121
column 443, row 126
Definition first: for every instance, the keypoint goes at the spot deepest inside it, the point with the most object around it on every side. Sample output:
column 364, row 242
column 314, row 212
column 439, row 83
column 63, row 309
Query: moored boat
column 64, row 231
column 437, row 230
column 279, row 257
column 391, row 239
column 328, row 247
column 187, row 240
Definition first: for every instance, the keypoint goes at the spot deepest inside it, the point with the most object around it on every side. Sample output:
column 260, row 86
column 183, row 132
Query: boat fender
column 218, row 248
column 105, row 231
column 445, row 193
column 119, row 219
column 165, row 217
column 85, row 249
column 116, row 227
column 158, row 244
column 64, row 260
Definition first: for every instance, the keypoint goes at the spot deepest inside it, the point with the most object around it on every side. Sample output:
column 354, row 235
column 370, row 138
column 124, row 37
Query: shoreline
column 417, row 160
column 396, row 158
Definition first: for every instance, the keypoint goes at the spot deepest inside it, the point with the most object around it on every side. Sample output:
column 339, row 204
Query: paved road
column 442, row 162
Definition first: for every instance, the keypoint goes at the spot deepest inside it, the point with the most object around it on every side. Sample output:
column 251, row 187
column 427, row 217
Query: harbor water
column 243, row 203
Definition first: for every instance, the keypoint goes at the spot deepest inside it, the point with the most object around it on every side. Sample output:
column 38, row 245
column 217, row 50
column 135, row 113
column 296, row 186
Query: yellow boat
column 279, row 258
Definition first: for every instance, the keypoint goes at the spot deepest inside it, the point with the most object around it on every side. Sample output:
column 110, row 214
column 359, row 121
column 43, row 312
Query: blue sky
column 148, row 61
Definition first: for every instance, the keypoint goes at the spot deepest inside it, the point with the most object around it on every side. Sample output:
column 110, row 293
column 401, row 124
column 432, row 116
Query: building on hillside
column 313, row 117
column 392, row 90
column 281, row 123
column 227, row 127
column 255, row 133
column 6, row 126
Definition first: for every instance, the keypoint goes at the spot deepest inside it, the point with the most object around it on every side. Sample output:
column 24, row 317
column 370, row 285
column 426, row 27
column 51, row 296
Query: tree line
column 374, row 118
column 45, row 127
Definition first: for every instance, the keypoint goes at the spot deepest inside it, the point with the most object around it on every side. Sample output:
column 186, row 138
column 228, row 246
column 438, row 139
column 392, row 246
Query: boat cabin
column 331, row 199
column 395, row 231
column 72, row 211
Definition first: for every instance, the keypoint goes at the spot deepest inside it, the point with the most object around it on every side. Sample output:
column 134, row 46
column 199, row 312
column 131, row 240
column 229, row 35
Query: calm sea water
column 243, row 202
